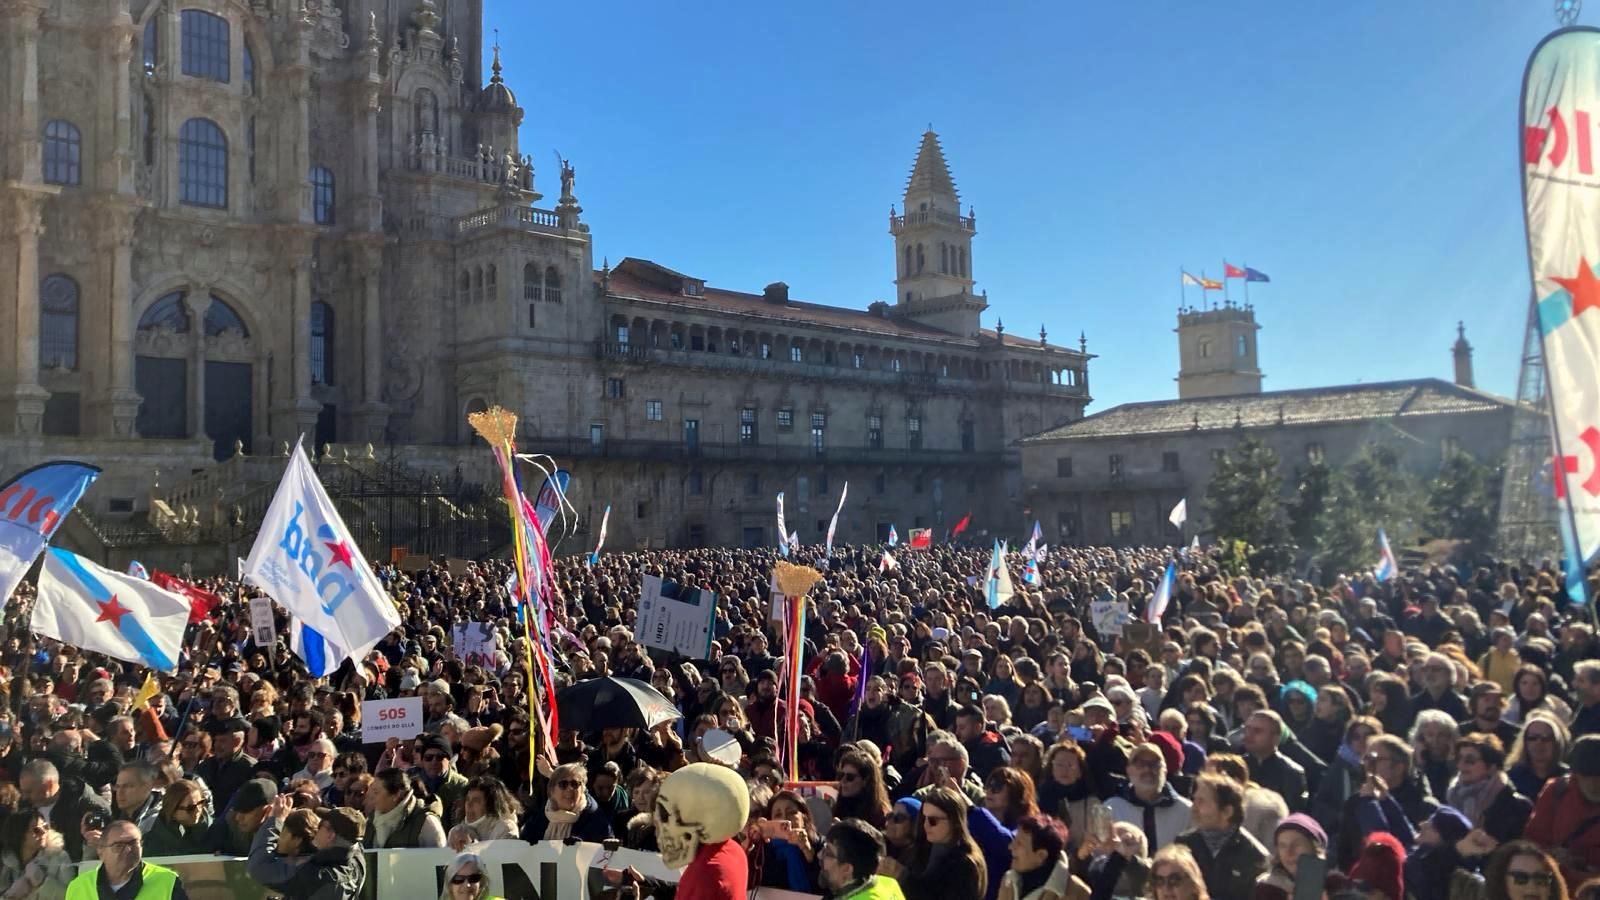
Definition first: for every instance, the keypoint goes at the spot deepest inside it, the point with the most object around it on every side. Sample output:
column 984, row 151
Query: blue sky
column 1361, row 153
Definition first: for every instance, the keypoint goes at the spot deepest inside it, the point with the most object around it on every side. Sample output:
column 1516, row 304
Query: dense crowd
column 1430, row 736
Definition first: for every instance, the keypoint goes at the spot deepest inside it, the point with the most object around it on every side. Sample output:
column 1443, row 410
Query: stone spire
column 1462, row 353
column 930, row 174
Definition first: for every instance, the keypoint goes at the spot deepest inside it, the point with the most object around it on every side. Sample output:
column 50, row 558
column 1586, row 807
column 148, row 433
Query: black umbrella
column 598, row 703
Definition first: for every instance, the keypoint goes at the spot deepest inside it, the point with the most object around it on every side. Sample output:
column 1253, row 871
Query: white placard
column 675, row 618
column 1108, row 616
column 261, row 621
column 476, row 644
column 400, row 717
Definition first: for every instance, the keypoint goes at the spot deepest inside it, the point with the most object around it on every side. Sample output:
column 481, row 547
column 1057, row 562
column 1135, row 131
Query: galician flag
column 1179, row 514
column 1158, row 603
column 1387, row 567
column 1561, row 195
column 834, row 522
column 893, row 537
column 999, row 588
column 604, row 521
column 305, row 558
column 102, row 611
column 783, row 529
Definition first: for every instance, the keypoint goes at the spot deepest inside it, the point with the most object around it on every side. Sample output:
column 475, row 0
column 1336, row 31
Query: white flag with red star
column 1561, row 189
column 305, row 558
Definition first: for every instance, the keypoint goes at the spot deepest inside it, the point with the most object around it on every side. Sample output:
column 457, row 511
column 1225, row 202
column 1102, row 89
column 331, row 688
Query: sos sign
column 398, row 718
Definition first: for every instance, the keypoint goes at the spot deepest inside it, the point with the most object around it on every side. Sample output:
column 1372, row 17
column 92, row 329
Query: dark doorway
column 164, row 385
column 327, row 426
column 228, row 407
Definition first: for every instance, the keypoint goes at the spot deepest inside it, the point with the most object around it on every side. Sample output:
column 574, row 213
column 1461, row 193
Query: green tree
column 1244, row 495
column 1309, row 509
column 1347, row 541
column 1385, row 495
column 1463, row 500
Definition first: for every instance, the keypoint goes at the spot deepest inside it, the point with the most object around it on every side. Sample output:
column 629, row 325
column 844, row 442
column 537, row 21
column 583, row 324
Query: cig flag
column 32, row 506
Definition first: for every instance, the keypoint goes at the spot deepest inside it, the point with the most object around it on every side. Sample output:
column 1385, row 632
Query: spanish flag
column 1210, row 285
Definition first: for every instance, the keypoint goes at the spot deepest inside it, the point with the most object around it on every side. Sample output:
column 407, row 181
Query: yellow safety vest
column 158, row 884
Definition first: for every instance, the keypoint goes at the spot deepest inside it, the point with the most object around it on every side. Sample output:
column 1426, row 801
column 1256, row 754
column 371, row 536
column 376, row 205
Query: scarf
column 1473, row 800
column 1215, row 838
column 1028, row 882
column 384, row 823
column 559, row 826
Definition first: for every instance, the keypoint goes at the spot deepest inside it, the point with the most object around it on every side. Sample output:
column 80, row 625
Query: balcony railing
column 933, row 217
column 521, row 218
column 734, row 451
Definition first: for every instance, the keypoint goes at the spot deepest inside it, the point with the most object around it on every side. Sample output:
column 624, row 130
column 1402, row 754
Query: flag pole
column 1226, row 298
column 1183, row 294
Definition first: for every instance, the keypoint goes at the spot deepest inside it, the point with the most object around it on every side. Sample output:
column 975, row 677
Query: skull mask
column 699, row 804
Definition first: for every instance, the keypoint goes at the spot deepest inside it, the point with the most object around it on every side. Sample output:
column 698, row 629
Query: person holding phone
column 789, row 844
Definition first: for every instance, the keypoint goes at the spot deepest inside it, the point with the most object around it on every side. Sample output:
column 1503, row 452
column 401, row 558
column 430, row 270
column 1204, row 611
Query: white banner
column 675, row 618
column 1108, row 616
column 399, row 717
column 476, row 644
column 262, row 624
column 1561, row 190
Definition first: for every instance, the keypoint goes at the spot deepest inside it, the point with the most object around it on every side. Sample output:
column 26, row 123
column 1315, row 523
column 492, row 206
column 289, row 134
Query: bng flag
column 305, row 558
column 32, row 506
column 96, row 609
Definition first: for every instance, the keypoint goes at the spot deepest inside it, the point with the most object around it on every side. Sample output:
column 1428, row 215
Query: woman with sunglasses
column 861, row 791
column 947, row 862
column 1520, row 870
column 1536, row 756
column 34, row 863
column 1174, row 875
column 467, row 878
column 569, row 811
column 181, row 825
column 901, row 829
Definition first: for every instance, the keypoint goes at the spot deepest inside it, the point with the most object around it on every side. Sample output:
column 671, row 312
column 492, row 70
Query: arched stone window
column 63, row 153
column 206, row 46
column 58, row 323
column 552, row 285
column 203, row 164
column 532, row 289
column 323, row 195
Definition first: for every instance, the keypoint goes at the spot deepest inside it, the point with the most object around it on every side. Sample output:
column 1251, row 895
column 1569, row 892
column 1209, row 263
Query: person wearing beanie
column 335, row 870
column 1172, row 753
column 1297, row 838
column 1381, row 866
column 901, row 830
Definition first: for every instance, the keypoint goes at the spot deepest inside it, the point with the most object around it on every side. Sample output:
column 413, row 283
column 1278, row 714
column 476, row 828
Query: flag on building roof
column 1210, row 285
column 33, row 504
column 1229, row 270
column 1255, row 275
column 102, row 611
column 921, row 538
column 1191, row 281
column 1158, row 603
column 1387, row 567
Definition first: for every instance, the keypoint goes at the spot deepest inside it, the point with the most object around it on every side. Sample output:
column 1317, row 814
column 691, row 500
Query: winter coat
column 987, row 752
column 1169, row 814
column 1563, row 817
column 1281, row 774
column 336, row 873
column 1232, row 871
column 45, row 877
column 592, row 826
column 166, row 838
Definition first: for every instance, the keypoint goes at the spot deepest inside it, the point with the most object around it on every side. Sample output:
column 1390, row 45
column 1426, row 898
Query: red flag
column 961, row 525
column 1229, row 270
column 921, row 538
column 201, row 602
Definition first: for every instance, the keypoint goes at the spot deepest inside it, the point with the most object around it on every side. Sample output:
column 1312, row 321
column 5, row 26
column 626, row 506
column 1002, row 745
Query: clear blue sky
column 1363, row 154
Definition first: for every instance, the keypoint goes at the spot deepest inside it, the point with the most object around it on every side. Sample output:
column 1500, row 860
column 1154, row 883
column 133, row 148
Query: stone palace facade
column 230, row 223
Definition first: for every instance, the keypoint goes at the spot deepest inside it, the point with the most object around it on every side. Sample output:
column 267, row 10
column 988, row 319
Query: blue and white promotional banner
column 547, row 505
column 306, row 559
column 783, row 529
column 96, row 609
column 32, row 506
column 833, row 523
column 1561, row 195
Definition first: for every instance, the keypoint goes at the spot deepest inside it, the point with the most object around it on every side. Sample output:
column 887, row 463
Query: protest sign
column 400, row 718
column 675, row 618
column 476, row 644
column 262, row 625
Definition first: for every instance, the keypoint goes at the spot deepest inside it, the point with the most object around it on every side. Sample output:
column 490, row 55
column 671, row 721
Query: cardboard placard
column 400, row 717
column 262, row 625
column 414, row 562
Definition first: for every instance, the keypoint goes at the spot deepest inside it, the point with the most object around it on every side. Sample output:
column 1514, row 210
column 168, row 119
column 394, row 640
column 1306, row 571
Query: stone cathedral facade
column 228, row 224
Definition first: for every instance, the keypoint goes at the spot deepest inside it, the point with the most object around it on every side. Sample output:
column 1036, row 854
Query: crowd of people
column 1436, row 735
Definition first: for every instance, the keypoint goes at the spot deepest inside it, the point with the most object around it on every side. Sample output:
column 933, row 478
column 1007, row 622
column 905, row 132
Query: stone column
column 21, row 398
column 119, row 47
column 19, row 107
column 197, row 300
column 372, row 415
column 118, row 404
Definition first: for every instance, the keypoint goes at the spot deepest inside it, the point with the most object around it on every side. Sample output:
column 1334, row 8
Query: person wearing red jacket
column 836, row 687
column 1566, row 817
